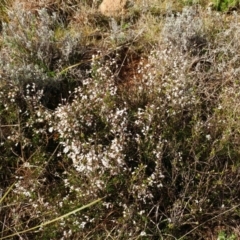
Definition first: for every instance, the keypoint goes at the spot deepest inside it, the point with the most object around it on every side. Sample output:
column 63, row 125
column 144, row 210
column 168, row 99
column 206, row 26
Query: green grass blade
column 4, row 196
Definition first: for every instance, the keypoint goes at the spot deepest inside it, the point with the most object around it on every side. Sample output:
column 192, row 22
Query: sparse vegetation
column 136, row 113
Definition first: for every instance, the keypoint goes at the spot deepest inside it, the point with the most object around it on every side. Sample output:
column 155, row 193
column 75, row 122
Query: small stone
column 111, row 8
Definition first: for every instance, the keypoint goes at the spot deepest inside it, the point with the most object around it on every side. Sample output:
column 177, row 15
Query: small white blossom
column 208, row 137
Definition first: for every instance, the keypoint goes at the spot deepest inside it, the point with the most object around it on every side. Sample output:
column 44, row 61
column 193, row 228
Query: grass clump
column 139, row 112
column 225, row 5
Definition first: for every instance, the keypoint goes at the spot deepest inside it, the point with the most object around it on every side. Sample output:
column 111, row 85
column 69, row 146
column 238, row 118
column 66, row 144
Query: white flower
column 208, row 137
column 38, row 113
column 50, row 129
column 66, row 149
column 82, row 225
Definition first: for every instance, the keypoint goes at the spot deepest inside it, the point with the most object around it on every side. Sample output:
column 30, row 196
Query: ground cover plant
column 123, row 127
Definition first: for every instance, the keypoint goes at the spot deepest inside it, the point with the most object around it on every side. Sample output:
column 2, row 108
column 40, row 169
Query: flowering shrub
column 155, row 137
